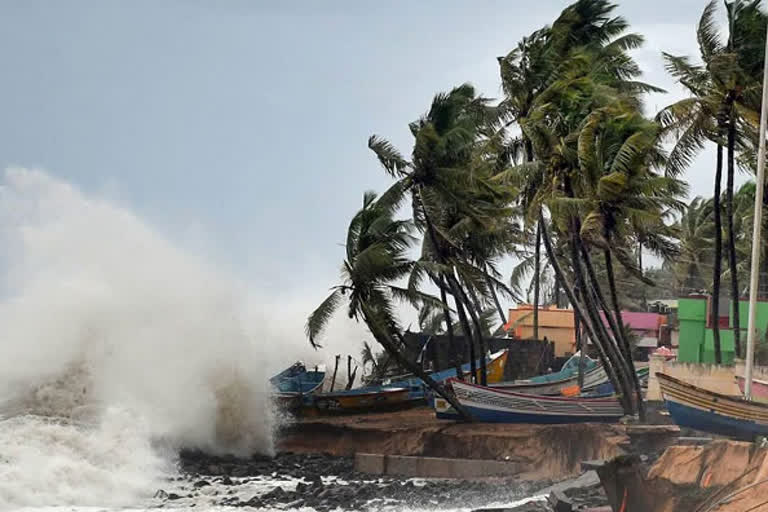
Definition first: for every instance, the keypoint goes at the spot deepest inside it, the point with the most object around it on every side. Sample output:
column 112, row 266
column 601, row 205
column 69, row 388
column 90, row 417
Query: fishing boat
column 294, row 383
column 363, row 400
column 553, row 383
column 491, row 405
column 594, row 376
column 759, row 388
column 701, row 409
column 598, row 383
column 496, row 363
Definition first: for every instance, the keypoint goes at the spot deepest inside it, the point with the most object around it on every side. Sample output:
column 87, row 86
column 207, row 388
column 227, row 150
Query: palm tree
column 460, row 212
column 622, row 196
column 590, row 69
column 724, row 99
column 696, row 234
column 375, row 258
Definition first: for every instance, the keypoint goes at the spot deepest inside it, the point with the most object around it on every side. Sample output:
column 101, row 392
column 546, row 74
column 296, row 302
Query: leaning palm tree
column 376, row 257
column 452, row 201
column 623, row 195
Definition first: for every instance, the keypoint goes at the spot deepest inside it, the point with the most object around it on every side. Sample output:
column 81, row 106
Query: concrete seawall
column 414, row 443
column 433, row 467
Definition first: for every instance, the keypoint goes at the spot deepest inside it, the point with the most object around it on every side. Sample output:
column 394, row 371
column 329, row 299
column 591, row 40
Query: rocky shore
column 325, row 483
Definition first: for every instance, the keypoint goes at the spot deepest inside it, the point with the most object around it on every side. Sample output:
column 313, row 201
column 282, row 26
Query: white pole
column 756, row 233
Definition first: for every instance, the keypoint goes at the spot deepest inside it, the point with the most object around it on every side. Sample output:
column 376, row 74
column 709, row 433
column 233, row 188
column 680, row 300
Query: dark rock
column 161, row 494
column 225, row 480
column 173, row 496
column 255, row 502
column 275, row 494
column 560, row 502
column 201, row 483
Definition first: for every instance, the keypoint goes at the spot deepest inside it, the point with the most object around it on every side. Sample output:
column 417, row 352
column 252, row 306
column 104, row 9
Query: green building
column 696, row 343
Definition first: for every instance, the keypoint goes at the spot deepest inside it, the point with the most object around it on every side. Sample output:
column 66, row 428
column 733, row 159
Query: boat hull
column 759, row 389
column 497, row 406
column 698, row 419
column 568, row 386
column 419, row 391
column 356, row 402
column 701, row 409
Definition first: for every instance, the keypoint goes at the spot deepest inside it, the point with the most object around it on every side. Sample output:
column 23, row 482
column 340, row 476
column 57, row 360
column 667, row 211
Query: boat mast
column 756, row 233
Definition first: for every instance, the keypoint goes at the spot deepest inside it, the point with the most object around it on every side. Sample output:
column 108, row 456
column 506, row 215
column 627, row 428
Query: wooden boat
column 298, row 379
column 592, row 378
column 701, row 409
column 759, row 388
column 599, row 384
column 491, row 405
column 418, row 390
column 294, row 383
column 363, row 400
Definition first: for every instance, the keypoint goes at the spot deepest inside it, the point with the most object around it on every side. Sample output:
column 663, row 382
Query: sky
column 238, row 129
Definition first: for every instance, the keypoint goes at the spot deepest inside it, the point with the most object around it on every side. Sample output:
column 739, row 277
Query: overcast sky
column 239, row 128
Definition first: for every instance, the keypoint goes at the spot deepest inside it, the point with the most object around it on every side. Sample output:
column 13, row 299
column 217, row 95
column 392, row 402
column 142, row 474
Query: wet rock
column 201, row 483
column 275, row 494
column 226, row 481
column 173, row 496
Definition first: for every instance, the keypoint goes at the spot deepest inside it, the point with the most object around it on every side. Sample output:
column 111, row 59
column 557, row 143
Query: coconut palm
column 590, row 70
column 722, row 107
column 376, row 257
column 462, row 215
column 621, row 196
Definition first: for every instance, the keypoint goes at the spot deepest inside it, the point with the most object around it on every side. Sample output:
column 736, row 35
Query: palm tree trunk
column 449, row 328
column 478, row 330
column 536, row 281
column 591, row 301
column 718, row 256
column 579, row 344
column 732, row 236
column 492, row 289
column 625, row 343
column 579, row 310
column 616, row 325
column 390, row 346
column 458, row 297
column 468, row 338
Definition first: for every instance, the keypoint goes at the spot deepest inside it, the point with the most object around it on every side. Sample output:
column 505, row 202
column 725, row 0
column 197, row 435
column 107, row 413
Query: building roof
column 548, row 317
column 639, row 320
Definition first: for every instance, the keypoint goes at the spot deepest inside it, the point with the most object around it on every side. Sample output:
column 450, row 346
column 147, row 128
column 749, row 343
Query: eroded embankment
column 544, row 451
column 722, row 476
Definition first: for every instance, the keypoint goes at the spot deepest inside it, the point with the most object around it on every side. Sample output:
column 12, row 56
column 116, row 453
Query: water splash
column 101, row 314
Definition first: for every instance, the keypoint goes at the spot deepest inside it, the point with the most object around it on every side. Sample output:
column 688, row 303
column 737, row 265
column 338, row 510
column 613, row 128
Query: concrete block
column 433, row 467
column 370, row 463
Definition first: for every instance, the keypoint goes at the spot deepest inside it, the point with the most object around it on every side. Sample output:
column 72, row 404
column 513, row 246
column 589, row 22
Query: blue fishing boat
column 295, row 382
column 556, row 383
column 693, row 407
column 498, row 406
column 418, row 391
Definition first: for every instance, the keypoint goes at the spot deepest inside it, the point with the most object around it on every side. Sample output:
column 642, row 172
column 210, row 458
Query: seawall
column 529, row 452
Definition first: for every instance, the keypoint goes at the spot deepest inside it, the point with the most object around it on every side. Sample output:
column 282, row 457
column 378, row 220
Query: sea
column 117, row 349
